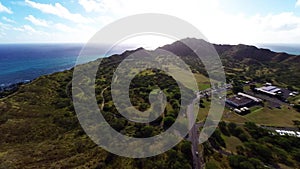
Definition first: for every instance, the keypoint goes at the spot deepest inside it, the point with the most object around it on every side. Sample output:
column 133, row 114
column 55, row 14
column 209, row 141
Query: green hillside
column 39, row 127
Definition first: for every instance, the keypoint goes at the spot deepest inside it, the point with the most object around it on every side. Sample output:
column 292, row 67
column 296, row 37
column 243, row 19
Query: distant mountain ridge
column 39, row 127
column 243, row 62
column 238, row 52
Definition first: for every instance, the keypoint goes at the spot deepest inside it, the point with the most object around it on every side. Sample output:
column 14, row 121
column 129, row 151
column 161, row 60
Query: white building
column 271, row 90
column 250, row 97
column 288, row 133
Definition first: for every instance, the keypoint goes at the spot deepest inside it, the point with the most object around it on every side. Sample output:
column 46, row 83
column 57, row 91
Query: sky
column 221, row 21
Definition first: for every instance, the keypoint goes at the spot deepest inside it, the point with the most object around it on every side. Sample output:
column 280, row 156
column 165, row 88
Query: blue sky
column 221, row 21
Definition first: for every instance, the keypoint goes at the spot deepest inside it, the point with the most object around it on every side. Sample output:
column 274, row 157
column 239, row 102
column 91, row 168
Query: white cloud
column 60, row 11
column 208, row 16
column 104, row 20
column 75, row 33
column 64, row 28
column 4, row 26
column 91, row 5
column 8, row 20
column 2, row 34
column 285, row 21
column 38, row 22
column 297, row 3
column 25, row 28
column 104, row 5
column 235, row 29
column 18, row 29
column 5, row 9
column 29, row 28
column 32, row 32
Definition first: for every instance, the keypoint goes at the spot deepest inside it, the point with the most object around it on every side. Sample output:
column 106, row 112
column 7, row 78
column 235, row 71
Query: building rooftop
column 250, row 97
column 239, row 101
column 268, row 88
column 273, row 90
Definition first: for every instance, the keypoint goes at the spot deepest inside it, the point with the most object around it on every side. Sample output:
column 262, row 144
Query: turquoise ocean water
column 23, row 62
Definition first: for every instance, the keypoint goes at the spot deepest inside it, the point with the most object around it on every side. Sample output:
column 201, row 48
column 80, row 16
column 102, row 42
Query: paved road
column 209, row 90
column 194, row 138
column 198, row 160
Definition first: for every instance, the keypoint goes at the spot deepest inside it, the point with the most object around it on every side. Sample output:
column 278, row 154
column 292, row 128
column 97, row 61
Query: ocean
column 293, row 49
column 25, row 62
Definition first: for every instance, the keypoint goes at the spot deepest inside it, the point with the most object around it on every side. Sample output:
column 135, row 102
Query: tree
column 147, row 131
column 143, row 106
column 246, row 165
column 157, row 121
column 238, row 131
column 168, row 121
column 177, row 95
column 186, row 149
column 216, row 85
column 296, row 154
column 118, row 124
column 211, row 165
column 255, row 131
column 237, row 88
column 242, row 162
column 223, row 128
column 291, row 88
column 296, row 123
column 260, row 151
column 231, row 127
column 252, row 87
column 235, row 160
column 243, row 137
column 297, row 107
column 216, row 140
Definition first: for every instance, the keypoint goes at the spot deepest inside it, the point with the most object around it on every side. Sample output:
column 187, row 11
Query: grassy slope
column 37, row 133
column 274, row 117
column 231, row 143
column 33, row 135
column 264, row 116
column 40, row 130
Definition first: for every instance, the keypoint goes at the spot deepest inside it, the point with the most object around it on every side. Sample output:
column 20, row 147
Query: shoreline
column 9, row 89
column 5, row 91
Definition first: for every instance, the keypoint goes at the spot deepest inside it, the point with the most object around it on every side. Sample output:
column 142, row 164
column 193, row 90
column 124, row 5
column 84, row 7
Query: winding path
column 103, row 100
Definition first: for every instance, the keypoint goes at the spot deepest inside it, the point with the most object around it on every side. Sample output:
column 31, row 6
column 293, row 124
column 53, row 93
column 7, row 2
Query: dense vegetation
column 260, row 148
column 39, row 127
column 244, row 63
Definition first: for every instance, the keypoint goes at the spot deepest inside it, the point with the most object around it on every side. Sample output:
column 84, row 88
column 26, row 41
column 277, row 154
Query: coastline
column 12, row 88
column 8, row 89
